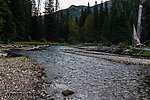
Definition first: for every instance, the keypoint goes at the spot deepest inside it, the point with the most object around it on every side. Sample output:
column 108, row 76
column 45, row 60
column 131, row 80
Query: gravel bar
column 20, row 79
column 125, row 60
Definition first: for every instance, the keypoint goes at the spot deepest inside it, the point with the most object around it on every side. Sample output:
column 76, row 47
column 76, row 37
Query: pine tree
column 95, row 13
column 100, row 22
column 66, row 26
column 7, row 26
column 88, row 9
column 21, row 11
column 106, row 25
column 61, row 27
column 82, row 20
column 3, row 11
column 49, row 21
column 119, row 28
column 146, row 23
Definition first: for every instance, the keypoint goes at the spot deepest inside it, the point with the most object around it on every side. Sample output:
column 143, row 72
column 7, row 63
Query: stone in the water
column 67, row 92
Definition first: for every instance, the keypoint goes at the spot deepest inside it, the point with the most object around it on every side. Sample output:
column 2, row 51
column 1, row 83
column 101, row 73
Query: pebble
column 16, row 84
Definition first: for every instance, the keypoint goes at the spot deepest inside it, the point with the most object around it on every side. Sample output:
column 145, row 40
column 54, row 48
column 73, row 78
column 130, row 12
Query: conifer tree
column 66, row 26
column 82, row 20
column 95, row 13
column 49, row 21
column 21, row 10
column 88, row 9
column 7, row 26
column 119, row 28
column 100, row 22
column 106, row 23
column 146, row 23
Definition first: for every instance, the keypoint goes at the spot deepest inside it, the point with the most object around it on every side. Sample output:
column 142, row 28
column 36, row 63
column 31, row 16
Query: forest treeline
column 20, row 20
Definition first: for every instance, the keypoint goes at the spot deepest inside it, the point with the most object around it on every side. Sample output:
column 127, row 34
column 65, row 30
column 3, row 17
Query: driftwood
column 23, row 47
column 12, row 47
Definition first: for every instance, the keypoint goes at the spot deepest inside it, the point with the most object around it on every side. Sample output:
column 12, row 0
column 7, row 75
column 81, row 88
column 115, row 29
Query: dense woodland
column 20, row 20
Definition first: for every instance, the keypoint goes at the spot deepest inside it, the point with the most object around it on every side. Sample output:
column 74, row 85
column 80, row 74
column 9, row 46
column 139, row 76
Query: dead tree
column 137, row 34
column 139, row 22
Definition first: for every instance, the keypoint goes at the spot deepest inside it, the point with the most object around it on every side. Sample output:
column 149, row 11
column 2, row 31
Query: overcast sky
column 67, row 3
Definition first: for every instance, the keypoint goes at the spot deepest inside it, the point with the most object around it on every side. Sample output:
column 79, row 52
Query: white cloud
column 67, row 3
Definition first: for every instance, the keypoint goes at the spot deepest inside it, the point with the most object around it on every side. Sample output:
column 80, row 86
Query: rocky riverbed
column 91, row 78
column 124, row 60
column 21, row 79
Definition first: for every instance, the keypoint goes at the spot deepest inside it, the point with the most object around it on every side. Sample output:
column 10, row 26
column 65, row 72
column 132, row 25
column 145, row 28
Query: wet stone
column 67, row 92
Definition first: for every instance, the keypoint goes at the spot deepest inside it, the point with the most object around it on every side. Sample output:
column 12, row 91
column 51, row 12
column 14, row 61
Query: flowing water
column 91, row 78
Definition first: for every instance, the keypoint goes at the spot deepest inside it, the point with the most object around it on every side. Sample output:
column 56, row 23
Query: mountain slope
column 75, row 11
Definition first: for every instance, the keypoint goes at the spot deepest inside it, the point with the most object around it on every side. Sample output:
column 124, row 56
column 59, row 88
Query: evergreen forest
column 21, row 20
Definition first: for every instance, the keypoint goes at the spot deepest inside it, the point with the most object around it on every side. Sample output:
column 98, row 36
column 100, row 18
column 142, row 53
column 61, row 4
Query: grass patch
column 33, row 43
column 59, row 44
column 42, row 43
column 1, row 42
column 138, row 52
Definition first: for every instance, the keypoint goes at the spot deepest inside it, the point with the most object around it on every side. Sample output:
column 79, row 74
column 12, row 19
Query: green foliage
column 7, row 26
column 3, row 11
column 33, row 43
column 21, row 21
column 119, row 27
column 89, row 29
column 146, row 22
column 123, row 44
column 50, row 21
column 82, row 18
column 106, row 24
column 73, row 31
column 100, row 23
column 59, row 44
column 139, row 52
column 21, row 11
column 95, row 14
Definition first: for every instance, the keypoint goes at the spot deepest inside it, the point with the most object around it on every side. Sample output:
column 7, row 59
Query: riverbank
column 125, row 60
column 21, row 78
column 121, row 50
column 24, row 47
column 43, row 43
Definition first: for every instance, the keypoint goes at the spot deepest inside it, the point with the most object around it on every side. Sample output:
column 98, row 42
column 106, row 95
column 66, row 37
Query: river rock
column 67, row 92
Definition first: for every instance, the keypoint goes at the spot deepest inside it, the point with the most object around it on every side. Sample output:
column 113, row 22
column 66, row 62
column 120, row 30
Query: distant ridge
column 75, row 11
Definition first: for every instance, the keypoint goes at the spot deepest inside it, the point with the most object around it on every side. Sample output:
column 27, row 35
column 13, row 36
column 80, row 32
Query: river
column 91, row 78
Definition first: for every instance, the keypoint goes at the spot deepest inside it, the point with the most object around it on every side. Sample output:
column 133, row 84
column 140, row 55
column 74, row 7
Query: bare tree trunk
column 139, row 22
column 39, row 1
column 137, row 34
